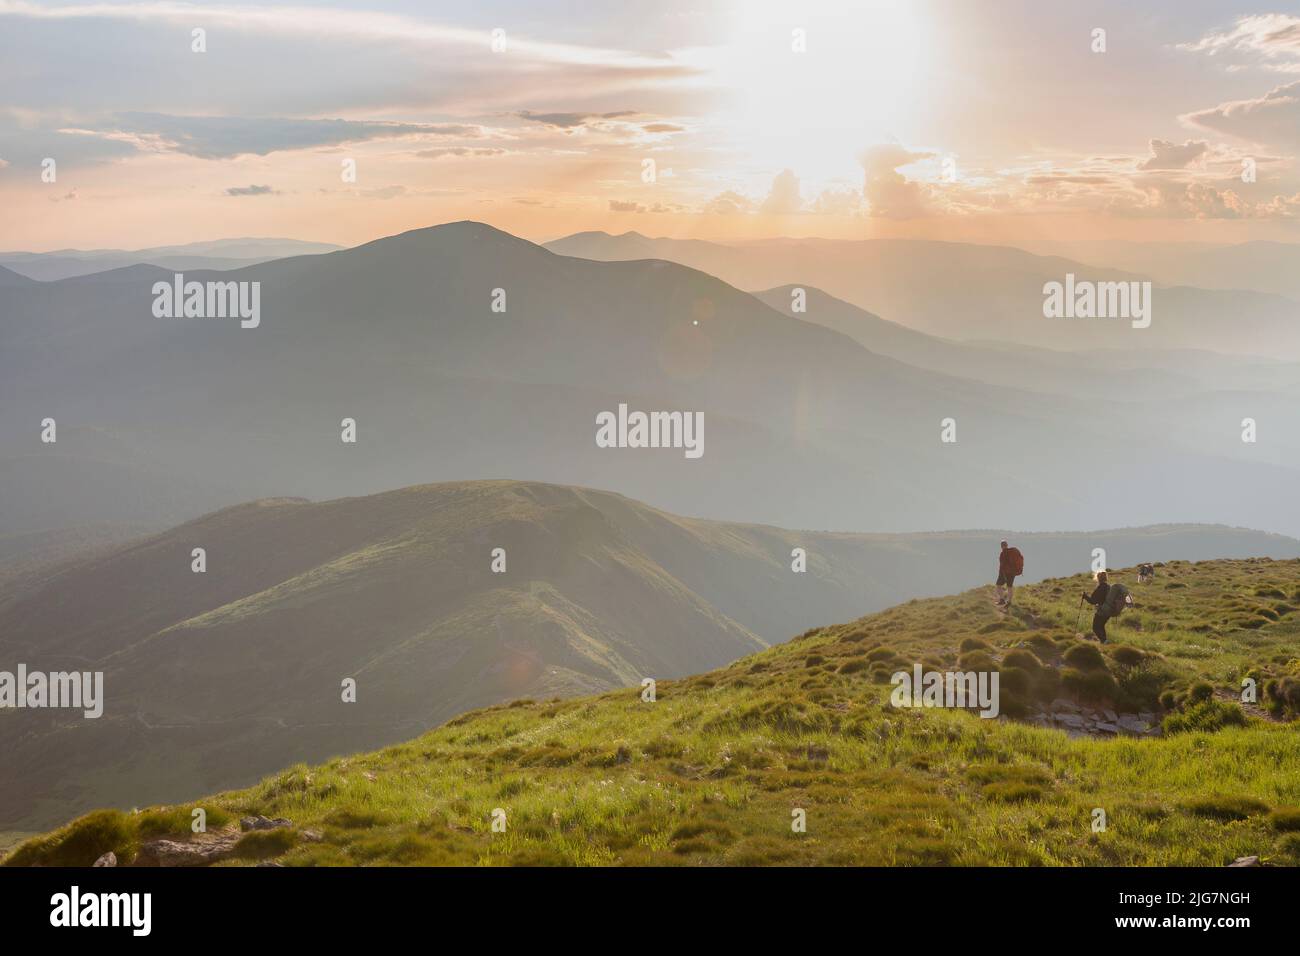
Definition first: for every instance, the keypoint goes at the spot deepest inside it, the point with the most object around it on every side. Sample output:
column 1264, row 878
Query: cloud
column 445, row 151
column 1167, row 155
column 252, row 191
column 784, row 198
column 342, row 24
column 617, row 205
column 225, row 137
column 1270, row 40
column 662, row 128
column 571, row 121
column 1272, row 119
column 838, row 202
column 1077, row 179
column 728, row 203
column 889, row 194
column 384, row 192
column 1281, row 207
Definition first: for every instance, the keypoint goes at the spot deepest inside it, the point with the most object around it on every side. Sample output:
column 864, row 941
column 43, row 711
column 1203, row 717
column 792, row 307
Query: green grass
column 715, row 770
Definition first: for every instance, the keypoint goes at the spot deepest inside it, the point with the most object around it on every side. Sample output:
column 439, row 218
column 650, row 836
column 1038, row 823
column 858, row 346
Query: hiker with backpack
column 1011, row 563
column 1109, row 600
column 1145, row 574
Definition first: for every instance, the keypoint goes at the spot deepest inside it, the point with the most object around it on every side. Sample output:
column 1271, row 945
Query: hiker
column 1145, row 574
column 1098, row 600
column 1010, row 563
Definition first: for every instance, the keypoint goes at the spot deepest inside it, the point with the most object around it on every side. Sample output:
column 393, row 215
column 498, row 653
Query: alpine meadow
column 787, row 441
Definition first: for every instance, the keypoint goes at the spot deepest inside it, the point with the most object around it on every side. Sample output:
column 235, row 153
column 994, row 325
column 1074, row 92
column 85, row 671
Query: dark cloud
column 252, row 190
column 570, row 121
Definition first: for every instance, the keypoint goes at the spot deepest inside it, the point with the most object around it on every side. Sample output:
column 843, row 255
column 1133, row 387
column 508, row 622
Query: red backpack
column 1017, row 561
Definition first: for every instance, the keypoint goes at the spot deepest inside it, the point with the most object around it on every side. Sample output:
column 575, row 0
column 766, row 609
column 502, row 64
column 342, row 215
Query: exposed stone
column 310, row 836
column 108, row 859
column 1110, row 715
column 1067, row 705
column 263, row 823
column 1133, row 725
column 1107, row 728
column 177, row 853
column 1245, row 861
column 1070, row 720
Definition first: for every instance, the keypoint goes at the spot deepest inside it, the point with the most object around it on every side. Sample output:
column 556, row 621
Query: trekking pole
column 1078, row 618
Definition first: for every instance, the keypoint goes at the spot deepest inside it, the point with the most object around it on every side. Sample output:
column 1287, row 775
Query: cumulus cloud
column 1272, row 119
column 784, row 198
column 728, row 203
column 618, row 205
column 838, row 202
column 889, row 193
column 1167, row 155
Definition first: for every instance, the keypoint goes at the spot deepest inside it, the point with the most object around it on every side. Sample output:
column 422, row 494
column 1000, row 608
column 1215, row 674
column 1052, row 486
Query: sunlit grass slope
column 714, row 770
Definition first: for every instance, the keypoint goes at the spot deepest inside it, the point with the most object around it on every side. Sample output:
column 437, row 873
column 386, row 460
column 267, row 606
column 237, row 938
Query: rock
column 310, row 836
column 1147, row 716
column 177, row 853
column 1245, row 861
column 1107, row 728
column 1070, row 720
column 263, row 823
column 1110, row 715
column 1133, row 725
column 108, row 859
column 1067, row 705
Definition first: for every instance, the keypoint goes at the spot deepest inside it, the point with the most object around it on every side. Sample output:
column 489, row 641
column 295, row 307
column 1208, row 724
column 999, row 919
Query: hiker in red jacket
column 1010, row 563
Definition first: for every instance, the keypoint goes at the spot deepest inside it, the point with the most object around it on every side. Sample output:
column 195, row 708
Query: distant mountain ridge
column 971, row 291
column 162, row 419
column 220, row 255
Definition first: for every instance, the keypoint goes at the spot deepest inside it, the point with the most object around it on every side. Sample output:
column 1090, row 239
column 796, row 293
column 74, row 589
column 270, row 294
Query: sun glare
column 808, row 111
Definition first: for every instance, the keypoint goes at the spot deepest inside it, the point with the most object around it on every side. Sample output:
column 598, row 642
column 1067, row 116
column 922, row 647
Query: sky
column 970, row 120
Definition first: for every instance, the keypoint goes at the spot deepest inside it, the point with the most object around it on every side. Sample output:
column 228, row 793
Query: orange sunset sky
column 977, row 121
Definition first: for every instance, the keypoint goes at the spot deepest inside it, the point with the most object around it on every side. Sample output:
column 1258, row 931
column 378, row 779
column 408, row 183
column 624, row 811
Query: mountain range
column 160, row 420
column 976, row 292
column 218, row 255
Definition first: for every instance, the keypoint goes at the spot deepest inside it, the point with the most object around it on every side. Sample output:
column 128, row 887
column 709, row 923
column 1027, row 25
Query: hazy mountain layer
column 162, row 418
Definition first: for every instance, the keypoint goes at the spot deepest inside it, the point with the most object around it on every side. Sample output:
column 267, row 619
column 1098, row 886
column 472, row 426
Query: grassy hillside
column 713, row 769
column 216, row 679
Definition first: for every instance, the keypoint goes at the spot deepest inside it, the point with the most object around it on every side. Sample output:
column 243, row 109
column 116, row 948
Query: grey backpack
column 1117, row 598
